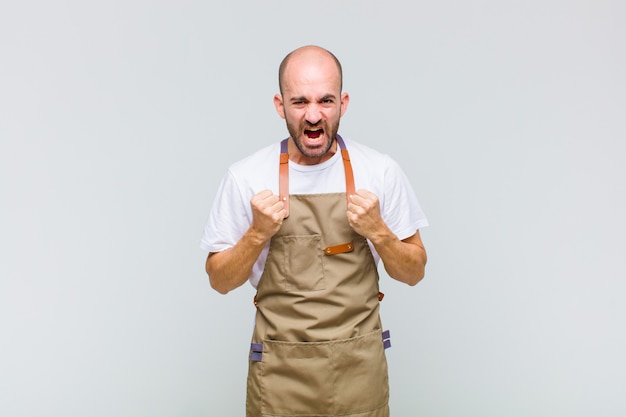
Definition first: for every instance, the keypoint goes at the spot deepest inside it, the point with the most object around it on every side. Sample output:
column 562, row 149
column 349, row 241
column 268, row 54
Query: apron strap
column 256, row 352
column 283, row 172
column 386, row 339
column 347, row 167
column 283, row 175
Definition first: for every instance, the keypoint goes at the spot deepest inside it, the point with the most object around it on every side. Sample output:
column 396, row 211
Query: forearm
column 231, row 268
column 404, row 260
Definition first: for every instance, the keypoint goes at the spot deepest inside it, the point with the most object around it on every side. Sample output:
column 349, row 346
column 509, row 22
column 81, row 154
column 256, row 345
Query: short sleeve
column 229, row 218
column 401, row 211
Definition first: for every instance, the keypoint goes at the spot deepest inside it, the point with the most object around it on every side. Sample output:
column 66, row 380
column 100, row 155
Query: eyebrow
column 302, row 98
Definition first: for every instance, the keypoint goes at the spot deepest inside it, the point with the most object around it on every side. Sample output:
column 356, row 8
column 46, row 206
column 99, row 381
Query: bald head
column 313, row 55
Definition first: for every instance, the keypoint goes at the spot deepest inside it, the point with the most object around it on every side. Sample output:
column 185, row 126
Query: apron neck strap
column 283, row 171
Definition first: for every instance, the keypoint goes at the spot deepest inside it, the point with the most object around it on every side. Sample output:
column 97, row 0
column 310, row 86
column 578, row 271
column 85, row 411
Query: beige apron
column 317, row 347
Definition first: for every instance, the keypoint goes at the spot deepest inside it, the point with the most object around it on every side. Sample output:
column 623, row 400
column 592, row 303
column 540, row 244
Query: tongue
column 314, row 135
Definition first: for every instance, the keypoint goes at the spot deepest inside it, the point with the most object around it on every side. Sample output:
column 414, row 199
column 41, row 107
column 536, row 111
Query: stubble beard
column 296, row 133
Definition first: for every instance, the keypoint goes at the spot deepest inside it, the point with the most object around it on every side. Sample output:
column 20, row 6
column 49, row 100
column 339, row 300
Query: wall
column 118, row 120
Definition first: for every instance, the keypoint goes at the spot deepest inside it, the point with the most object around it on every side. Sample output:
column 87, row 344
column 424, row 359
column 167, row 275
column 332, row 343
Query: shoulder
column 373, row 160
column 262, row 157
column 258, row 170
column 371, row 164
column 361, row 150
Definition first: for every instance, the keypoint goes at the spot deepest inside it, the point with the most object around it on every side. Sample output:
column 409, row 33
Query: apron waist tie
column 256, row 352
column 386, row 339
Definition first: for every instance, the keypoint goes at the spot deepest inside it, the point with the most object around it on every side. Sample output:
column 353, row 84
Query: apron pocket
column 323, row 378
column 302, row 265
column 361, row 379
column 294, row 378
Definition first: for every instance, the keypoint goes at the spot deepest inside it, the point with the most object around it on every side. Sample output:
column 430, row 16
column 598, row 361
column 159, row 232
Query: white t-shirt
column 231, row 214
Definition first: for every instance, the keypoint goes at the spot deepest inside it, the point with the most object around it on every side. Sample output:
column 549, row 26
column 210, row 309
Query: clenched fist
column 364, row 213
column 268, row 212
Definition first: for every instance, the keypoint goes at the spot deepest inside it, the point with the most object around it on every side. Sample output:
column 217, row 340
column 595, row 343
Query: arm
column 231, row 268
column 404, row 260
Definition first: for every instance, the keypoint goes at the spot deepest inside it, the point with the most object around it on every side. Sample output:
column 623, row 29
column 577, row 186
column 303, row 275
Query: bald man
column 306, row 221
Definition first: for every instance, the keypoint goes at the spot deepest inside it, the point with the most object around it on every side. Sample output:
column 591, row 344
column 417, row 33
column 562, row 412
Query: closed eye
column 329, row 99
column 298, row 100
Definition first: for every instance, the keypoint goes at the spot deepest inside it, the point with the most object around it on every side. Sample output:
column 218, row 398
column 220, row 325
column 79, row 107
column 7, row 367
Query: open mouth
column 313, row 133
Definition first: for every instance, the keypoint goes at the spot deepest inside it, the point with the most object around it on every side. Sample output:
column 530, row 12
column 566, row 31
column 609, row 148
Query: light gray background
column 119, row 118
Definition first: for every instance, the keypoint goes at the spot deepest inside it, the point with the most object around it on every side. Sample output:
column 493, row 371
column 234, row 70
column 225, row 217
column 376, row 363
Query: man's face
column 312, row 105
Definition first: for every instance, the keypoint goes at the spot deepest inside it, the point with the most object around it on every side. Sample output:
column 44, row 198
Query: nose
column 313, row 114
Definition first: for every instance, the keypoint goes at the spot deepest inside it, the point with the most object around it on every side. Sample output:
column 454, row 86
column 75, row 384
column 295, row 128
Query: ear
column 280, row 106
column 345, row 99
